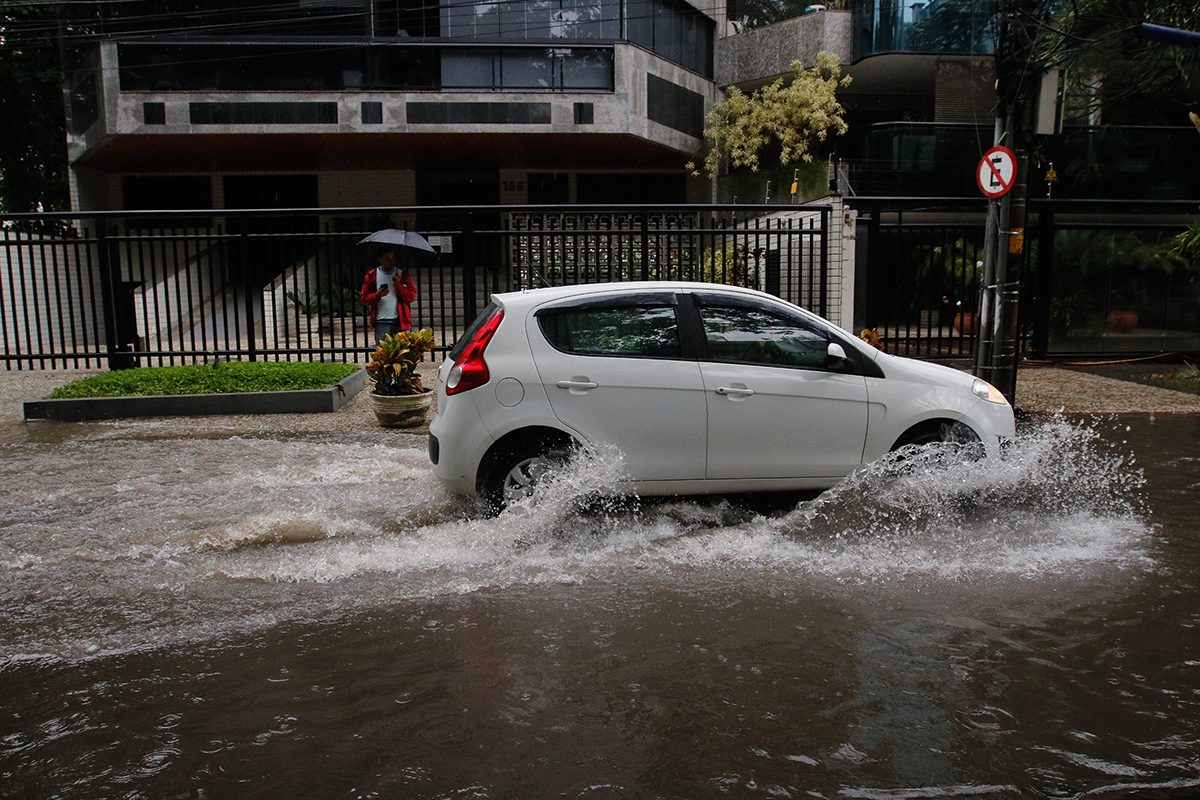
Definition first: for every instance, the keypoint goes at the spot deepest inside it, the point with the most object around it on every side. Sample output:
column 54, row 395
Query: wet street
column 313, row 616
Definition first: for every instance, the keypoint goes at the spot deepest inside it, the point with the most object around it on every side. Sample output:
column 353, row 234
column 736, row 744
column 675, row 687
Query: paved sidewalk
column 1039, row 390
column 1049, row 389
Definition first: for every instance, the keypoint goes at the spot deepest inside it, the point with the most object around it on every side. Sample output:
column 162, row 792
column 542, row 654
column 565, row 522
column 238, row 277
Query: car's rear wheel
column 518, row 470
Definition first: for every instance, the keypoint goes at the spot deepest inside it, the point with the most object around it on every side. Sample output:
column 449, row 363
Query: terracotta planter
column 1122, row 321
column 401, row 411
column 964, row 322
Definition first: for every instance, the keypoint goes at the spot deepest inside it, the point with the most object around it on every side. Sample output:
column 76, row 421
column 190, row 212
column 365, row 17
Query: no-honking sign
column 997, row 172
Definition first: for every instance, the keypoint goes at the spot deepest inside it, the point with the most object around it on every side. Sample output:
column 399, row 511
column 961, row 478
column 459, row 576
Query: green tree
column 794, row 114
column 1110, row 67
column 33, row 152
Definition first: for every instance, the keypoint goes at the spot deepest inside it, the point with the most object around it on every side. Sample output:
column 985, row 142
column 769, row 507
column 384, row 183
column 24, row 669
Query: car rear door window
column 634, row 331
column 746, row 335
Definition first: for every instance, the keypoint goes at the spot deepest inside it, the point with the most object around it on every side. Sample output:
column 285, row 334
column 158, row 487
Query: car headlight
column 985, row 391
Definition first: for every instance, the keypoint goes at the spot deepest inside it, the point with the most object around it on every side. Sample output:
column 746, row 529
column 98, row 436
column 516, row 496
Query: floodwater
column 315, row 617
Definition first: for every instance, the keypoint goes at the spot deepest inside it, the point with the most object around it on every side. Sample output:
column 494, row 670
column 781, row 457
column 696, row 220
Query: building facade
column 389, row 102
column 365, row 103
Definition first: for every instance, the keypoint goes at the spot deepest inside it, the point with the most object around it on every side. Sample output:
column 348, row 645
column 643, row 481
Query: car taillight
column 470, row 370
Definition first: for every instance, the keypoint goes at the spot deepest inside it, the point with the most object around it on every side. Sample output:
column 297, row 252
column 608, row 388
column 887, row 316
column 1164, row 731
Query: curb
column 306, row 401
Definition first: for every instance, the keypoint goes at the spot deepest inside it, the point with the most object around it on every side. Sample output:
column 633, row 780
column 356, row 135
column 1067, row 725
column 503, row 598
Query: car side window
column 743, row 335
column 634, row 331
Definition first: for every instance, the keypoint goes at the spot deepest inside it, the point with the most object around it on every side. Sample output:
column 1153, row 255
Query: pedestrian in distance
column 388, row 292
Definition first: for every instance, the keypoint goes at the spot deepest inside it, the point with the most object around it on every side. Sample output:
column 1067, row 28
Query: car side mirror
column 835, row 357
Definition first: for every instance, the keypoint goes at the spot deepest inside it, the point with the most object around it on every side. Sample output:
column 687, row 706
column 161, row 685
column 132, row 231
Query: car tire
column 516, row 472
column 946, row 432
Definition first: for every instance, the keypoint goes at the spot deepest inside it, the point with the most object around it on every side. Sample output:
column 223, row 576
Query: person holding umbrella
column 388, row 292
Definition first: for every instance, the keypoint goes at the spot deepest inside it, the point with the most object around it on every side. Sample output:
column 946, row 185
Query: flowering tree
column 794, row 113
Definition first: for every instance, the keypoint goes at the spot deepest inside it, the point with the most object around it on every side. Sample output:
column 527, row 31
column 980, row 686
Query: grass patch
column 1189, row 375
column 221, row 377
column 1184, row 379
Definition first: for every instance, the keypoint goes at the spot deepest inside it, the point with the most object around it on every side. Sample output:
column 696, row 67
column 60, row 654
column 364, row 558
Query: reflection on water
column 929, row 628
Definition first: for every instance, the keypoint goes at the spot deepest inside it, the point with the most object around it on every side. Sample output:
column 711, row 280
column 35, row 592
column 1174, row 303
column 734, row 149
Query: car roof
column 528, row 298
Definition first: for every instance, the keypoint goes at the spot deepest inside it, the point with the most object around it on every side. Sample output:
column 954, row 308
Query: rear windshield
column 470, row 332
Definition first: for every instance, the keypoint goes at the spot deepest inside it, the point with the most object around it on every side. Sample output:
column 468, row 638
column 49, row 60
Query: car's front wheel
column 944, row 432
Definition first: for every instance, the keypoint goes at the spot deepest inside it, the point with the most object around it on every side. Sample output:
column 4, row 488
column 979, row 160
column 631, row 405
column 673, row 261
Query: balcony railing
column 350, row 66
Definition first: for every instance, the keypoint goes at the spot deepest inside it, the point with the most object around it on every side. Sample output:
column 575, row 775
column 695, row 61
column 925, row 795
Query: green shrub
column 1189, row 375
column 220, row 377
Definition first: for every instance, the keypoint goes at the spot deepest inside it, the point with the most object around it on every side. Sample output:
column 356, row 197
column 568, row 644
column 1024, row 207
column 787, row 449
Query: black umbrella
column 399, row 238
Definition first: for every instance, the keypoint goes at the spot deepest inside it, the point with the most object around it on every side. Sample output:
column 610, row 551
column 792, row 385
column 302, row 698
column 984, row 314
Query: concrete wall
column 762, row 54
column 622, row 111
column 804, row 260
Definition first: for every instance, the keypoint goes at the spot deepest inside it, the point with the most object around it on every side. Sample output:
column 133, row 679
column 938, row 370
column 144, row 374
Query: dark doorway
column 458, row 188
column 635, row 187
column 268, row 192
column 548, row 188
column 269, row 246
column 271, row 191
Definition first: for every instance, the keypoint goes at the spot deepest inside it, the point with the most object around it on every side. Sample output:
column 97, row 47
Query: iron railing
column 1085, row 261
column 120, row 289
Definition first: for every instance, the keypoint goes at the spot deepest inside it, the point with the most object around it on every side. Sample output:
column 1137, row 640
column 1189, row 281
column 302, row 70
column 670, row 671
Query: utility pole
column 998, row 341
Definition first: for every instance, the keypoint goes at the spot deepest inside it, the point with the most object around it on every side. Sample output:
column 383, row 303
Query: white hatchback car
column 703, row 389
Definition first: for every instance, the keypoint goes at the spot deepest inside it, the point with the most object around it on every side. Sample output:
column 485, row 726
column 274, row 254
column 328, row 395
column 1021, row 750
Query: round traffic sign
column 997, row 172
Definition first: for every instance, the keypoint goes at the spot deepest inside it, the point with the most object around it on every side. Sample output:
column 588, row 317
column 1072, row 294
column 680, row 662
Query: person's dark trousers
column 386, row 327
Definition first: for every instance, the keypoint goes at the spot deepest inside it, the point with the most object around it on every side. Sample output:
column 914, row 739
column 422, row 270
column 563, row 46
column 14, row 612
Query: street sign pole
column 983, row 337
column 995, row 175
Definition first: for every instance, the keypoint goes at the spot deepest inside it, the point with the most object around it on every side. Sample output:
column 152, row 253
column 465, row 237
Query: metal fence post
column 823, row 292
column 118, row 356
column 243, row 266
column 1041, row 280
column 645, row 271
column 470, row 306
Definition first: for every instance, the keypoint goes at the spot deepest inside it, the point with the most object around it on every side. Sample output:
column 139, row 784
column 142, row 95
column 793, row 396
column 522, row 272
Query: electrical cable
column 1106, row 363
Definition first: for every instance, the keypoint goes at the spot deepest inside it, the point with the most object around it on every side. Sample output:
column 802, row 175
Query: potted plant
column 398, row 398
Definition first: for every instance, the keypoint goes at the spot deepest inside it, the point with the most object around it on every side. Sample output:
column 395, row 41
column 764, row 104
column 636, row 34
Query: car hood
column 923, row 372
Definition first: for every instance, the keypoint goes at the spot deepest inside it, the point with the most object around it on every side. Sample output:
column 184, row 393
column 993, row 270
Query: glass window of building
column 467, row 69
column 587, row 69
column 528, row 69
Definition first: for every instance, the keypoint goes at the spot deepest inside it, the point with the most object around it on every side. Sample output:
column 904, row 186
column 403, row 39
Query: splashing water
column 191, row 539
column 1060, row 498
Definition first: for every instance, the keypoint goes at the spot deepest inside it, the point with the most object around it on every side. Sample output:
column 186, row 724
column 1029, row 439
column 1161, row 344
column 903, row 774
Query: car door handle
column 733, row 391
column 577, row 384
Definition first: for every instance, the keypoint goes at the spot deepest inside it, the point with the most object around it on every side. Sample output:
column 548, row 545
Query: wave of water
column 127, row 544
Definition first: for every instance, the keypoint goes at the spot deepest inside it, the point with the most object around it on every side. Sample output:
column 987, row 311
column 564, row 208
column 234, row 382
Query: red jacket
column 402, row 285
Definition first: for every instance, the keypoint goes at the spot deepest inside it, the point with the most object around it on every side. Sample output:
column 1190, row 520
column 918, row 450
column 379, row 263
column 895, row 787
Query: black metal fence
column 920, row 287
column 1100, row 276
column 122, row 289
